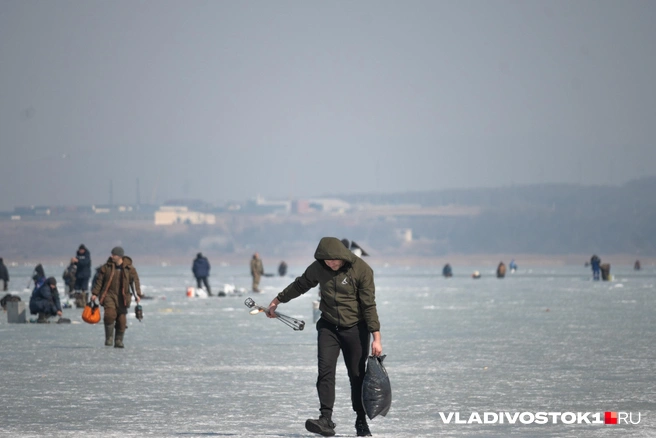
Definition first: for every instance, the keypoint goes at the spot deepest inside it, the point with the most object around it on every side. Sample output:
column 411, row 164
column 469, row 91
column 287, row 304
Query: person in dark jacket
column 116, row 281
column 282, row 268
column 595, row 263
column 348, row 319
column 44, row 301
column 83, row 273
column 38, row 276
column 201, row 270
column 4, row 275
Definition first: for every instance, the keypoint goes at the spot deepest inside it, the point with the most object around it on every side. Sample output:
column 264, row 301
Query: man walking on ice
column 348, row 317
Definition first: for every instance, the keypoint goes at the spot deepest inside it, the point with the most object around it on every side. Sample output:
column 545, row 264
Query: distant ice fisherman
column 201, row 269
column 257, row 271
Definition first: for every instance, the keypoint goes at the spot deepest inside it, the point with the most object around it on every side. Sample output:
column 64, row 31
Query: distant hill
column 543, row 219
column 549, row 219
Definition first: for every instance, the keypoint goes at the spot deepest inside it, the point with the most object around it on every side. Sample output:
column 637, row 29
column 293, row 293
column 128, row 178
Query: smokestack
column 138, row 193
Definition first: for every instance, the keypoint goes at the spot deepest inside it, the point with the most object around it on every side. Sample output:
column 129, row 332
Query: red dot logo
column 610, row 418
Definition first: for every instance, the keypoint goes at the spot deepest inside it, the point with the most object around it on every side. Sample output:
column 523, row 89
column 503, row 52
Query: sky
column 228, row 100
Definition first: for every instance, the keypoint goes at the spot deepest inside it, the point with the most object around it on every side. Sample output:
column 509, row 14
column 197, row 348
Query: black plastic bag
column 376, row 388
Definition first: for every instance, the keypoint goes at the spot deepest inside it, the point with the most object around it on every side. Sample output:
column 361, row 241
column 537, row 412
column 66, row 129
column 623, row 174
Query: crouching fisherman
column 113, row 284
column 44, row 301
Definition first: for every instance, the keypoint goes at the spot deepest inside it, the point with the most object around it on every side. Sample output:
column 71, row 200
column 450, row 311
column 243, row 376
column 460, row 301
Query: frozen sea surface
column 539, row 340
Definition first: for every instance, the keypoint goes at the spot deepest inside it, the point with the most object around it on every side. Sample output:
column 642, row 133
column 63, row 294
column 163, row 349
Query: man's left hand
column 376, row 348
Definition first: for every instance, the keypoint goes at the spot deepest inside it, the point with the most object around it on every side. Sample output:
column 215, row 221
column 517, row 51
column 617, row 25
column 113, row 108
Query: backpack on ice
column 376, row 388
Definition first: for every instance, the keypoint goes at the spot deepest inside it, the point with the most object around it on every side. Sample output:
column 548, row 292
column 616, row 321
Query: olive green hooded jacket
column 347, row 295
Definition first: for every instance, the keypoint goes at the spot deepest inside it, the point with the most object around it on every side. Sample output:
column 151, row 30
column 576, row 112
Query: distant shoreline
column 271, row 261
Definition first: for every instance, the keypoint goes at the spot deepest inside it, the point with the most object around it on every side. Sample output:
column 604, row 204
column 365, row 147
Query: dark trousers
column 82, row 284
column 354, row 343
column 4, row 287
column 205, row 282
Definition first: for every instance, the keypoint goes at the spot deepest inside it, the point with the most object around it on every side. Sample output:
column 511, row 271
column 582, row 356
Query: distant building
column 106, row 208
column 330, row 205
column 259, row 205
column 171, row 215
column 101, row 209
column 191, row 204
column 301, row 207
column 32, row 211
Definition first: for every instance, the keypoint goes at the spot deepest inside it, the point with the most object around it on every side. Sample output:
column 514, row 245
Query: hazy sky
column 224, row 100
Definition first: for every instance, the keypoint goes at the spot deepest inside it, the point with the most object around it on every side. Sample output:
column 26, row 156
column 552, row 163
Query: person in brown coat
column 115, row 283
column 501, row 270
column 257, row 271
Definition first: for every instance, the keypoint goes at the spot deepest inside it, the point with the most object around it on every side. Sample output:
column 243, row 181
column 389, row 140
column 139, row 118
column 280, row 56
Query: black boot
column 109, row 335
column 118, row 342
column 322, row 426
column 361, row 426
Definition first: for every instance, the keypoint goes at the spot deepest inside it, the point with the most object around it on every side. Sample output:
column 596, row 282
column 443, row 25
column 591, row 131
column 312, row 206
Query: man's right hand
column 271, row 312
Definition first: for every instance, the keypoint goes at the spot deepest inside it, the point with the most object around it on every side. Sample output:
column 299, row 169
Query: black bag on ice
column 376, row 388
